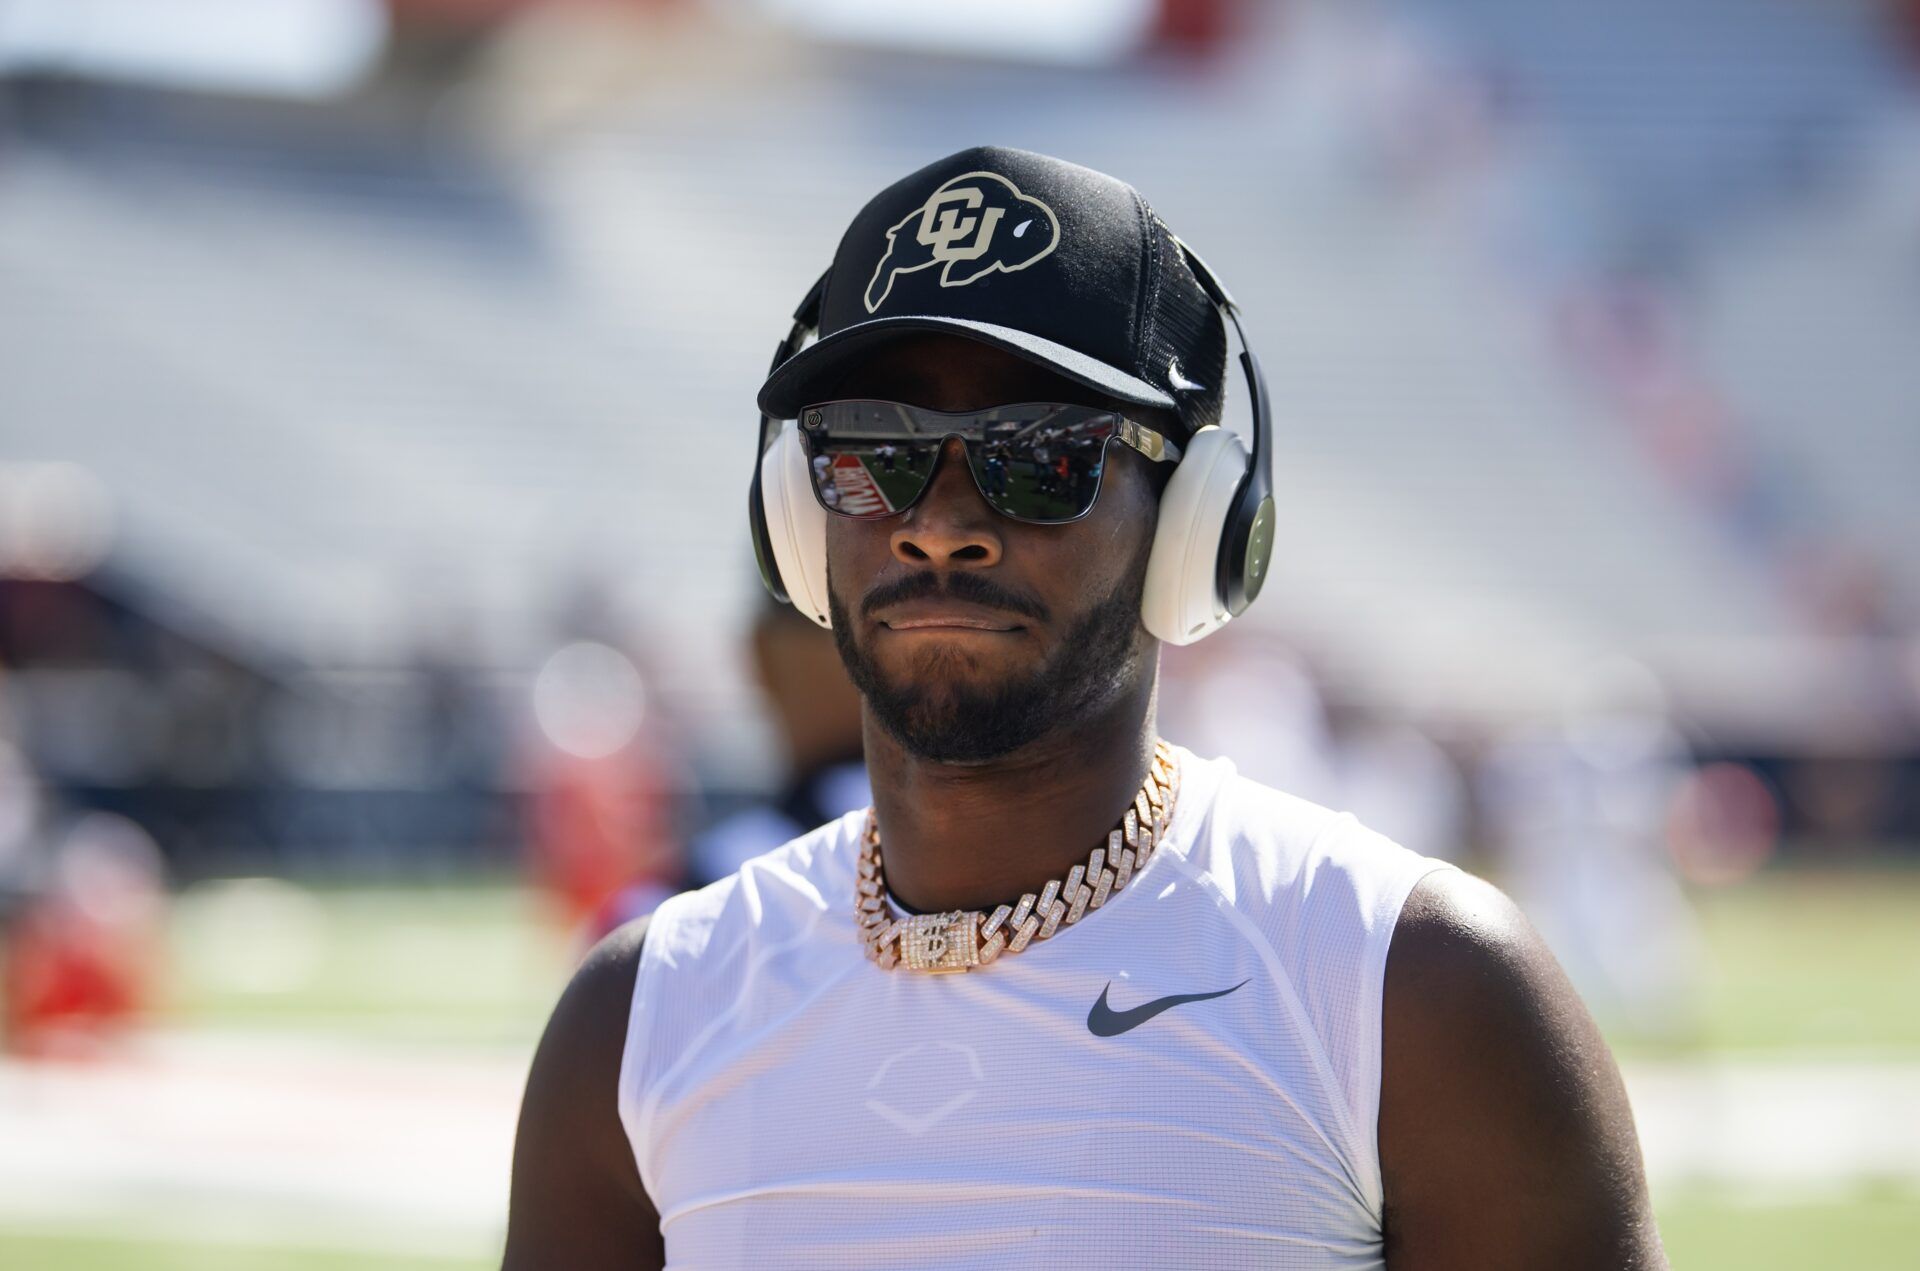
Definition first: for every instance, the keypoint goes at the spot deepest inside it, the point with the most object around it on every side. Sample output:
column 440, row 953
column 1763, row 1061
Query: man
column 823, row 481
column 1200, row 1023
column 996, row 471
column 816, row 717
column 1043, row 463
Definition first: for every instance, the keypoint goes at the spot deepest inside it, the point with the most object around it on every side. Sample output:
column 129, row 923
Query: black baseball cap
column 1058, row 264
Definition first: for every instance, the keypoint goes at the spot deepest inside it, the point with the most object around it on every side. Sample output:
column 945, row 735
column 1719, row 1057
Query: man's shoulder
column 1246, row 814
column 1273, row 819
column 602, row 984
column 576, row 1185
column 1495, row 1081
column 1468, row 975
column 1462, row 947
column 1269, row 807
column 1285, row 848
column 769, row 896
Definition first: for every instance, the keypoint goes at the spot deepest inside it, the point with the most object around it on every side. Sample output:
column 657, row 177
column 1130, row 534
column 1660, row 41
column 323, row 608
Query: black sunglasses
column 1039, row 462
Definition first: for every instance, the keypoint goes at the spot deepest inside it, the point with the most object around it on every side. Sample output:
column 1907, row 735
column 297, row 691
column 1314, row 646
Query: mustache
column 962, row 585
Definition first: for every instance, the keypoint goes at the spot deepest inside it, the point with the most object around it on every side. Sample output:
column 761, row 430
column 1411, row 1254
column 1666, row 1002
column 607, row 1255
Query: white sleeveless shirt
column 790, row 1104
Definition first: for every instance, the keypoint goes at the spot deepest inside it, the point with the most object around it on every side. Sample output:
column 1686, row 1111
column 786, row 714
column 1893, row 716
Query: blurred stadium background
column 377, row 618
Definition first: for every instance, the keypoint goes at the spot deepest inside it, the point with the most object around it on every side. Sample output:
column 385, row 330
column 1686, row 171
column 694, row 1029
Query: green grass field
column 1820, row 962
column 1868, row 1229
column 93, row 1251
column 1805, row 964
column 1813, row 961
column 479, row 963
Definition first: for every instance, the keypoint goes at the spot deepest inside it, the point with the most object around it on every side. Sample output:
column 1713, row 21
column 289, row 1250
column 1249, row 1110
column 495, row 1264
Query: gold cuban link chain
column 964, row 939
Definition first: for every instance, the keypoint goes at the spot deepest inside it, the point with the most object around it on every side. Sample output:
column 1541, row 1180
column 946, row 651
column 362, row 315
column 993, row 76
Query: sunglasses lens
column 867, row 458
column 1038, row 461
column 1046, row 470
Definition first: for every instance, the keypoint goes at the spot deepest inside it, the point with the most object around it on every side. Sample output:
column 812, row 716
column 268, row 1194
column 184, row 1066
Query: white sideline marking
column 305, row 1142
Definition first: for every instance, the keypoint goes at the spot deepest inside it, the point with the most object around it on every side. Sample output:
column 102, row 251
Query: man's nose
column 951, row 526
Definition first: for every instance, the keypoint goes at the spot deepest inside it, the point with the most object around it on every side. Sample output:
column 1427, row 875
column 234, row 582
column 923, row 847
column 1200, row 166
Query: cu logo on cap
column 975, row 224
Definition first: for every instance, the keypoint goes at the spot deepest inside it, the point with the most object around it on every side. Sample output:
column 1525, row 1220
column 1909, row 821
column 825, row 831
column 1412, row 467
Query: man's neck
column 973, row 837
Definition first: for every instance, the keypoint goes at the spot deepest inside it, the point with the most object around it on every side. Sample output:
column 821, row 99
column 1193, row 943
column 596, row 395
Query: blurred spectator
column 817, row 714
column 20, row 818
column 83, row 954
column 1577, row 807
column 1907, row 25
column 1244, row 693
column 816, row 711
column 1400, row 781
column 604, row 786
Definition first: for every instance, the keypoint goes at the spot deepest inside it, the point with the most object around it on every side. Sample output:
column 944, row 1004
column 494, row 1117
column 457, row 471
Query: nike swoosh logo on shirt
column 1104, row 1021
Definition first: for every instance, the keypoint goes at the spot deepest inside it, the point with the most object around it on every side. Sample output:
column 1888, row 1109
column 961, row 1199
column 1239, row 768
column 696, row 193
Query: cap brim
column 806, row 377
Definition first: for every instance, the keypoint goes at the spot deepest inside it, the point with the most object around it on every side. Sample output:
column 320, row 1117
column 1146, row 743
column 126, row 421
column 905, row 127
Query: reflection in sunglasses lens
column 1038, row 462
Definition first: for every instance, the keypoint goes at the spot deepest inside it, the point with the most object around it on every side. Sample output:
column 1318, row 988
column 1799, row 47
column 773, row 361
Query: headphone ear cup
column 796, row 524
column 1182, row 601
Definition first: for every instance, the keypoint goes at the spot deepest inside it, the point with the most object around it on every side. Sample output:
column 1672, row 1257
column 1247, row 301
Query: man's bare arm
column 577, row 1201
column 1505, row 1136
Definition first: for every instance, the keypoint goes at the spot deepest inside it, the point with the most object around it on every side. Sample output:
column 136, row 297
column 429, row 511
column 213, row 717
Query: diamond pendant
column 941, row 943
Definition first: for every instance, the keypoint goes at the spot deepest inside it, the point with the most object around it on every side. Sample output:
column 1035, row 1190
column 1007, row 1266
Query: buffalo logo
column 973, row 225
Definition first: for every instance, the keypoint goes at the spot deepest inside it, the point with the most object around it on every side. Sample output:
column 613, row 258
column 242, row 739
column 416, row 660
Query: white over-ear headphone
column 1210, row 548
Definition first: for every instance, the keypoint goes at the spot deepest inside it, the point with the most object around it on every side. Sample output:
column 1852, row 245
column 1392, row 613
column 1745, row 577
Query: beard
column 947, row 718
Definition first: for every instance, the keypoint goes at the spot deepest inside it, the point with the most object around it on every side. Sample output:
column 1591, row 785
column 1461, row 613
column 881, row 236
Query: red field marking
column 859, row 492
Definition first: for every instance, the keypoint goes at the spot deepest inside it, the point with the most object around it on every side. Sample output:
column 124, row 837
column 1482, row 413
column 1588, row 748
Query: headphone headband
column 1248, row 542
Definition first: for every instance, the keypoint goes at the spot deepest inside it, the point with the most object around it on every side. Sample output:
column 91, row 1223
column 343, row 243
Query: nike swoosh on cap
column 1104, row 1021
